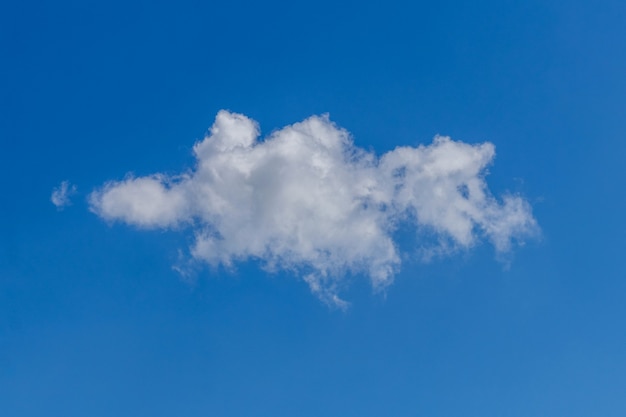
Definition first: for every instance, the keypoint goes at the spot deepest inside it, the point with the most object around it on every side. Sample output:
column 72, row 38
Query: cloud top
column 307, row 199
column 61, row 195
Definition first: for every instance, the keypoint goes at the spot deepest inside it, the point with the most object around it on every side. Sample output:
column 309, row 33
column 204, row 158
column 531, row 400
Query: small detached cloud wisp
column 308, row 200
column 61, row 195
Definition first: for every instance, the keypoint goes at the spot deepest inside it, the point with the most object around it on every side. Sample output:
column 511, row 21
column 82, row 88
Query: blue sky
column 94, row 318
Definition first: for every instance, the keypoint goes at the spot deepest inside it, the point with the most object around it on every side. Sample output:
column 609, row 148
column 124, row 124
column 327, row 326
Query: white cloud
column 61, row 195
column 307, row 199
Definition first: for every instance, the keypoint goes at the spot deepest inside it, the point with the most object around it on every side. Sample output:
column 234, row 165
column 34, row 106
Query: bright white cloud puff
column 308, row 200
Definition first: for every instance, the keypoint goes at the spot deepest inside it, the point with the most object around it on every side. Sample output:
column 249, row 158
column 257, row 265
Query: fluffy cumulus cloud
column 61, row 195
column 308, row 200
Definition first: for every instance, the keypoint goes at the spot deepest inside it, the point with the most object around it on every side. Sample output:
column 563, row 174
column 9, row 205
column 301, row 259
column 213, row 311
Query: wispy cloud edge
column 60, row 196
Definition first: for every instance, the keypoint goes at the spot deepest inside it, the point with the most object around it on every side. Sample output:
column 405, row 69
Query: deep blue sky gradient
column 94, row 321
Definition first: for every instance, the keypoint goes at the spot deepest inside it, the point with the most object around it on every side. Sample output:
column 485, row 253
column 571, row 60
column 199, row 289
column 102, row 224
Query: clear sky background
column 95, row 322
